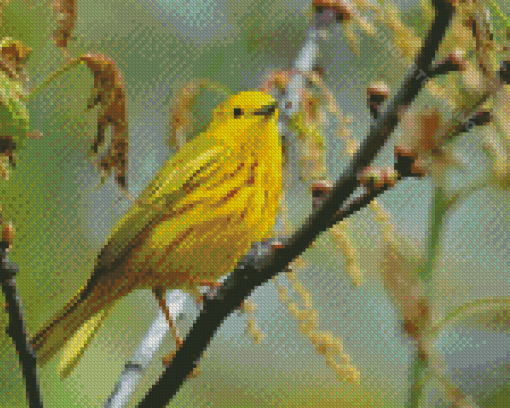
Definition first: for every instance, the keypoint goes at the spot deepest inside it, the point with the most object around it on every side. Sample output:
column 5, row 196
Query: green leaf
column 485, row 314
column 14, row 119
column 496, row 318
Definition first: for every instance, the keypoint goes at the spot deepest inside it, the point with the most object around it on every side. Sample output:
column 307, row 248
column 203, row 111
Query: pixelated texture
column 64, row 215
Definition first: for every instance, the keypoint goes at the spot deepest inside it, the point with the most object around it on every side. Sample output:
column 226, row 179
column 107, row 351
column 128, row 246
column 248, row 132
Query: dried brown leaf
column 422, row 136
column 277, row 80
column 181, row 108
column 13, row 57
column 397, row 268
column 66, row 12
column 109, row 91
column 181, row 115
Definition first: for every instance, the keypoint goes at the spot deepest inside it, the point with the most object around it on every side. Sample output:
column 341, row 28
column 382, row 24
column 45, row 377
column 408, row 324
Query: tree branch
column 253, row 271
column 17, row 328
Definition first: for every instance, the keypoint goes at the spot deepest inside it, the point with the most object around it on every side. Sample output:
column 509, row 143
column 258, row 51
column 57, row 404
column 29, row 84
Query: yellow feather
column 193, row 222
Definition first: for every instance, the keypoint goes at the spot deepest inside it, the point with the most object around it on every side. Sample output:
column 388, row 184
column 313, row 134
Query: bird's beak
column 267, row 110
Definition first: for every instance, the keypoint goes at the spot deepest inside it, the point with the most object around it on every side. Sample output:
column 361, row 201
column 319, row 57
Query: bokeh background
column 63, row 214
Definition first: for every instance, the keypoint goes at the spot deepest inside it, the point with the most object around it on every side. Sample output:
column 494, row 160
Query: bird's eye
column 238, row 112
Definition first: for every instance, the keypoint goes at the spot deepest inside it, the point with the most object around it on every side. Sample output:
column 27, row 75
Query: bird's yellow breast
column 231, row 202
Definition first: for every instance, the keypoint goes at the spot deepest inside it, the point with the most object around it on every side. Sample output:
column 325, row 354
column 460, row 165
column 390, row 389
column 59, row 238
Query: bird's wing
column 194, row 164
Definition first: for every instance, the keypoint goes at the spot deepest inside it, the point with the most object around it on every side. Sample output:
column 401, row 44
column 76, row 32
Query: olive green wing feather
column 73, row 328
column 195, row 162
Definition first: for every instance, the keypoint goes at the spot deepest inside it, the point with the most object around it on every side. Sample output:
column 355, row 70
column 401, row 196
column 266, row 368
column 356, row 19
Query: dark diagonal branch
column 16, row 328
column 253, row 271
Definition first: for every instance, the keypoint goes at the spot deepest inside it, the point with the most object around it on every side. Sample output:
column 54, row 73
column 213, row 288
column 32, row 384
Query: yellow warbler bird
column 192, row 224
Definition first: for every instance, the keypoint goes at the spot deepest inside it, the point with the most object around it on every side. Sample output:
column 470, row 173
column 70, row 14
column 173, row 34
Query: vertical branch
column 17, row 328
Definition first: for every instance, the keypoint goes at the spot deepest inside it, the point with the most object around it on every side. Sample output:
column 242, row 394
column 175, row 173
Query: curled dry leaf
column 420, row 131
column 422, row 136
column 329, row 100
column 14, row 118
column 277, row 80
column 66, row 18
column 110, row 92
column 251, row 328
column 405, row 289
column 14, row 56
column 181, row 116
column 181, row 108
column 310, row 147
column 404, row 37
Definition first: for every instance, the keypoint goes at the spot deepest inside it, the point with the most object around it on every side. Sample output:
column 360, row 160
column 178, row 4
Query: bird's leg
column 211, row 284
column 159, row 293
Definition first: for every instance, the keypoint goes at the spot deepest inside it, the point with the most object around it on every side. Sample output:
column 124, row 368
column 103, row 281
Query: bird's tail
column 72, row 329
